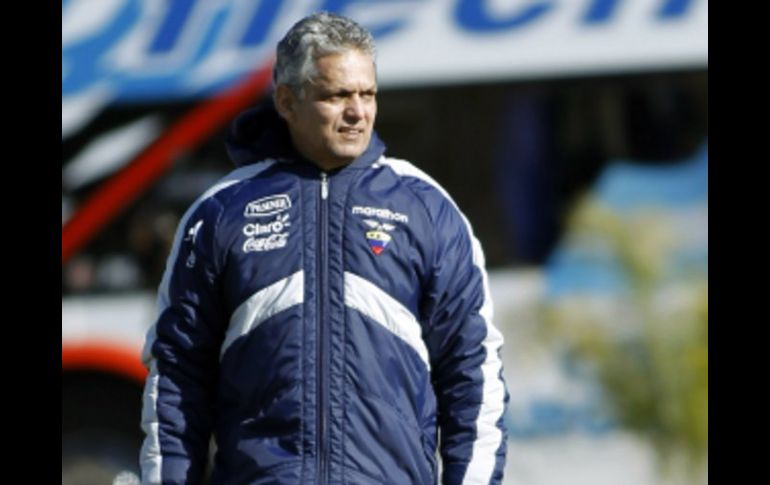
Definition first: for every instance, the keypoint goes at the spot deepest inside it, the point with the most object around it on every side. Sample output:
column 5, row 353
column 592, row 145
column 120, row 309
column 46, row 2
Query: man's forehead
column 347, row 67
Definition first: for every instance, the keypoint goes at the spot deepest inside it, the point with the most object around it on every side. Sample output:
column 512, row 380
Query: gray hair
column 311, row 38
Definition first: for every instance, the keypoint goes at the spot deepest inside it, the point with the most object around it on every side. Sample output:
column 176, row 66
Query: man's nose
column 354, row 109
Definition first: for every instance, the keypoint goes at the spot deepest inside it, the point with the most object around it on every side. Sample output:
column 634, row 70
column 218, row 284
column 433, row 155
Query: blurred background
column 573, row 134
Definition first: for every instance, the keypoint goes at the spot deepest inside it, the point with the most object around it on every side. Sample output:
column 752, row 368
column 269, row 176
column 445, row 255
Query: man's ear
column 283, row 98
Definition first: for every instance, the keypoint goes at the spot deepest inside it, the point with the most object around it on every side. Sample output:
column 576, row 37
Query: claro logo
column 268, row 206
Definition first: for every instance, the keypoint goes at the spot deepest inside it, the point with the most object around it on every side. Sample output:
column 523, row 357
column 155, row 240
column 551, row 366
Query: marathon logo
column 268, row 206
column 381, row 213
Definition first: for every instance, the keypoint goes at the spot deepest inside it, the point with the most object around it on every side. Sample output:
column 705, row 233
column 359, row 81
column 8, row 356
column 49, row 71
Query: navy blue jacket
column 323, row 327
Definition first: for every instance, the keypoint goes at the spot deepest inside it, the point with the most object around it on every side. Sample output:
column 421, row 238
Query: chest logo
column 268, row 236
column 268, row 206
column 378, row 236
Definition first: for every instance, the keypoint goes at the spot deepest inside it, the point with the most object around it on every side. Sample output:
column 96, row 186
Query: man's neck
column 326, row 165
column 329, row 166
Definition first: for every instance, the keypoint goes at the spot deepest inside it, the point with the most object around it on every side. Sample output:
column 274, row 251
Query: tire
column 99, row 457
column 101, row 434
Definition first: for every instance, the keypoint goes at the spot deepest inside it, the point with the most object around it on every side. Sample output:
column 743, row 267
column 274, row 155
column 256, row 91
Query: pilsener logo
column 268, row 206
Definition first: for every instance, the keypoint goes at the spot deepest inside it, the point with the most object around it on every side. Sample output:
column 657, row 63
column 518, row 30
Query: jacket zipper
column 321, row 378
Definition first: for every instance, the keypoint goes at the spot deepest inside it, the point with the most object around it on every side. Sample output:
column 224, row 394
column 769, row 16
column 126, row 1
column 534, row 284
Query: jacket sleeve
column 464, row 348
column 181, row 352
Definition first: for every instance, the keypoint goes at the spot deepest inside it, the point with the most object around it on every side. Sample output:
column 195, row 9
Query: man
column 324, row 314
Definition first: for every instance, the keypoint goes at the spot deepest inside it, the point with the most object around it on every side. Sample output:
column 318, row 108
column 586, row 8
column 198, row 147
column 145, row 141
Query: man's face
column 332, row 123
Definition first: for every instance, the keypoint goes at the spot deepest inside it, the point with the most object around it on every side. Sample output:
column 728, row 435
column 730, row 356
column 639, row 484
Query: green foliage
column 651, row 353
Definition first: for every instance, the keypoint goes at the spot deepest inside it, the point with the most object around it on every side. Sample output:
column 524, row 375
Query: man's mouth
column 350, row 133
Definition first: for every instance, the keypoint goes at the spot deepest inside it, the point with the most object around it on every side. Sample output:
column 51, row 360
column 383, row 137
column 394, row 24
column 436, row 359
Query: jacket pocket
column 382, row 441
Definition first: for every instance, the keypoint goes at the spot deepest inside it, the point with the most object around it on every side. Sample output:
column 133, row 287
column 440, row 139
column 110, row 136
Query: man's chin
column 349, row 153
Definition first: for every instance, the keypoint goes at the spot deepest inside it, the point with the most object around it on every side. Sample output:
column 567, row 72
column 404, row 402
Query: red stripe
column 104, row 357
column 127, row 185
